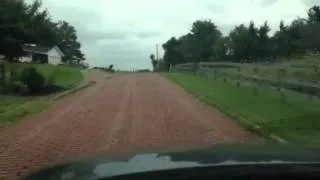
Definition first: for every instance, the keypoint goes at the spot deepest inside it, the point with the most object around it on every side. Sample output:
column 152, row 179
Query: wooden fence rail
column 278, row 80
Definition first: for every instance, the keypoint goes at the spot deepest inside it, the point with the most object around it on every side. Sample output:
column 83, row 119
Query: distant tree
column 252, row 43
column 187, row 49
column 263, row 46
column 206, row 34
column 314, row 15
column 220, row 50
column 153, row 62
column 310, row 39
column 67, row 40
column 295, row 31
column 171, row 55
column 249, row 43
column 281, row 41
column 152, row 57
column 239, row 43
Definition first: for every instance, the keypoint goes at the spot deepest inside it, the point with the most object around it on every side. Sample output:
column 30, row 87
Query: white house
column 41, row 54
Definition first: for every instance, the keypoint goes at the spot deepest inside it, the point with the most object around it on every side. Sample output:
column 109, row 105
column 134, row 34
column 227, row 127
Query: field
column 14, row 106
column 295, row 120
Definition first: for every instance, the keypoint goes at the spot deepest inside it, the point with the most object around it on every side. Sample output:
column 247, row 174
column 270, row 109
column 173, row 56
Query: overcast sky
column 125, row 32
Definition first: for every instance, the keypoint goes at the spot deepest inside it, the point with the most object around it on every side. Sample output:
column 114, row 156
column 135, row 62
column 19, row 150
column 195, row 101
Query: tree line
column 22, row 23
column 244, row 43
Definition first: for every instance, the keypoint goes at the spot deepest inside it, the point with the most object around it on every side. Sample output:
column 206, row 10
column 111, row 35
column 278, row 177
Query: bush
column 32, row 79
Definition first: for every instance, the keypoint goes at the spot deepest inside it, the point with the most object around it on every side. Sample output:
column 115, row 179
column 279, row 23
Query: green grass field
column 295, row 120
column 58, row 75
column 13, row 107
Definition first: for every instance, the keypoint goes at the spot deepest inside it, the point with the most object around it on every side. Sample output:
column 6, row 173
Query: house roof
column 40, row 49
column 37, row 48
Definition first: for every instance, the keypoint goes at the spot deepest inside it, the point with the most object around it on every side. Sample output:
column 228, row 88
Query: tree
column 187, row 48
column 310, row 39
column 314, row 15
column 152, row 57
column 171, row 55
column 220, row 50
column 22, row 23
column 195, row 46
column 67, row 40
column 288, row 38
column 239, row 43
column 14, row 22
column 252, row 42
column 205, row 34
column 153, row 62
column 249, row 43
column 263, row 47
column 281, row 40
column 110, row 67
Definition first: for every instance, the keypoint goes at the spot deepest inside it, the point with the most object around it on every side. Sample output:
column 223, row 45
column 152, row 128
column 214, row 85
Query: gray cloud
column 311, row 3
column 147, row 34
column 268, row 2
column 213, row 7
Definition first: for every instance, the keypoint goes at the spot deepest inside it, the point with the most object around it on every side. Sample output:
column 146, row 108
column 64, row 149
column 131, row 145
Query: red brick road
column 123, row 113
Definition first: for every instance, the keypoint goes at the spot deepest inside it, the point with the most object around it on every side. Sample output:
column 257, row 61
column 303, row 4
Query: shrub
column 32, row 79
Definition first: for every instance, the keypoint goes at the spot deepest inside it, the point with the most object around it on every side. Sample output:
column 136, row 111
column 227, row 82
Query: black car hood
column 213, row 156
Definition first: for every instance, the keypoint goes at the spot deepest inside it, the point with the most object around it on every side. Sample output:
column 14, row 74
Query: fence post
column 255, row 88
column 316, row 71
column 195, row 68
column 2, row 76
column 238, row 77
column 281, row 73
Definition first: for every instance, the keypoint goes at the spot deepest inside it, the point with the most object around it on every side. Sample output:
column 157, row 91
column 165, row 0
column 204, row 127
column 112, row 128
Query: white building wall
column 54, row 57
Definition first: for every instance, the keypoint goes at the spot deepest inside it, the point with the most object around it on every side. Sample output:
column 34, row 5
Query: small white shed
column 41, row 54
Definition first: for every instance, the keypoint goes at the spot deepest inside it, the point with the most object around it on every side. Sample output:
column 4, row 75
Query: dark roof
column 37, row 48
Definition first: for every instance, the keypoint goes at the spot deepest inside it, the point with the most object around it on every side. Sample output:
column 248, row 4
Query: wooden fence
column 277, row 77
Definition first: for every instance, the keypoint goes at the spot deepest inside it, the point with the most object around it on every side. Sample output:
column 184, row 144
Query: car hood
column 222, row 155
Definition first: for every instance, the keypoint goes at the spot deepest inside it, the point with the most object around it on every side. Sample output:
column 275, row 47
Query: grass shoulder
column 296, row 120
column 14, row 105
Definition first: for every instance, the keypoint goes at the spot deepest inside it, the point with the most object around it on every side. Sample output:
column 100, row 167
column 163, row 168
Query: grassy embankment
column 296, row 119
column 14, row 106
